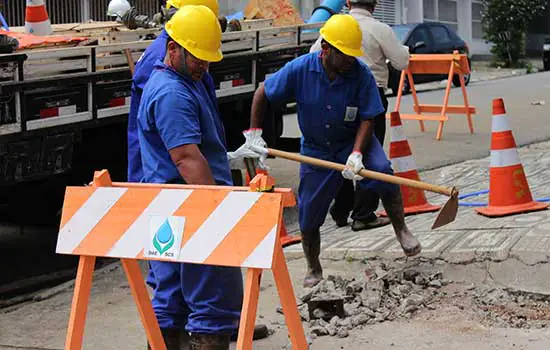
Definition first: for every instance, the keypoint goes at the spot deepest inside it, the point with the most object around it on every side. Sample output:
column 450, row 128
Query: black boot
column 393, row 204
column 311, row 244
column 260, row 332
column 175, row 339
column 209, row 341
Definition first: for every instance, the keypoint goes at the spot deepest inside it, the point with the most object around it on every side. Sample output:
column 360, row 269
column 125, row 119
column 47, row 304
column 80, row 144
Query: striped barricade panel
column 207, row 226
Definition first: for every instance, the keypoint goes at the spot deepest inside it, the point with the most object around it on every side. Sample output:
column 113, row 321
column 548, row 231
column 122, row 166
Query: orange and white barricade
column 449, row 64
column 37, row 21
column 214, row 225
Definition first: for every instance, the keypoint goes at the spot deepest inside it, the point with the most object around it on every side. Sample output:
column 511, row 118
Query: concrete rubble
column 381, row 294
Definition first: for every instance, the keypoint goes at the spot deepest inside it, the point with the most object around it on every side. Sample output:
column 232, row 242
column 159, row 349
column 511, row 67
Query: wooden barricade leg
column 143, row 303
column 466, row 103
column 288, row 301
column 249, row 310
column 446, row 101
column 417, row 108
column 400, row 91
column 81, row 297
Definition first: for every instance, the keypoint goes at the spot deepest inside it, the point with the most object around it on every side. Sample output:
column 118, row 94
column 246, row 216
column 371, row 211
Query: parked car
column 427, row 38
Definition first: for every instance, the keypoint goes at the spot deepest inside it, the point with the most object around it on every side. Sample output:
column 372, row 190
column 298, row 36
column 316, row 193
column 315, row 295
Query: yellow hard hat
column 198, row 31
column 211, row 4
column 343, row 32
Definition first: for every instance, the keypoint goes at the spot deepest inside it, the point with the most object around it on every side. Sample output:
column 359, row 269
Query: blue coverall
column 329, row 115
column 175, row 111
column 144, row 67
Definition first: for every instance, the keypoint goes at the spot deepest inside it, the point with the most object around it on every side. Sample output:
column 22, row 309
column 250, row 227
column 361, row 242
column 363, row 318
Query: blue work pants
column 200, row 298
column 319, row 186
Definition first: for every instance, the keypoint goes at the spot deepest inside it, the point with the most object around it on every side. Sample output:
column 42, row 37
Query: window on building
column 477, row 27
column 385, row 11
column 444, row 11
column 429, row 10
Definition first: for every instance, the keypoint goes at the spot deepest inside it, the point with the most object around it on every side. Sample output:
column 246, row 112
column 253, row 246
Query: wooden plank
column 134, row 45
column 39, row 70
column 116, row 60
column 55, row 54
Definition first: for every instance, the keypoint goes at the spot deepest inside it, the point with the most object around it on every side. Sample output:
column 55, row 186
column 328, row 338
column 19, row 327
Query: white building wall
column 412, row 11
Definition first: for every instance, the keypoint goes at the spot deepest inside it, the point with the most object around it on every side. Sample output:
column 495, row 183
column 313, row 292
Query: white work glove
column 254, row 147
column 354, row 165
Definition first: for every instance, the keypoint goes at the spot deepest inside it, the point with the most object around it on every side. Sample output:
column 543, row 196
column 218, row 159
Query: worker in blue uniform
column 337, row 99
column 154, row 52
column 181, row 141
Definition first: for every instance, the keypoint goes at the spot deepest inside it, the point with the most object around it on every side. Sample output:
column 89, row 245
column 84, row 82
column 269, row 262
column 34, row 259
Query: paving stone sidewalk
column 471, row 237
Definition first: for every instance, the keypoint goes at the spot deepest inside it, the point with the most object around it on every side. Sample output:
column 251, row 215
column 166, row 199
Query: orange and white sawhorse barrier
column 450, row 64
column 214, row 225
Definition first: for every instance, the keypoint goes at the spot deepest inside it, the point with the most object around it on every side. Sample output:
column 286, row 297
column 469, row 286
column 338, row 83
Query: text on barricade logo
column 165, row 235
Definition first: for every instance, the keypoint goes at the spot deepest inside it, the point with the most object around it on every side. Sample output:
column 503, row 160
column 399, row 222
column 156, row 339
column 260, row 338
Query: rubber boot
column 311, row 244
column 175, row 339
column 209, row 341
column 393, row 203
column 260, row 332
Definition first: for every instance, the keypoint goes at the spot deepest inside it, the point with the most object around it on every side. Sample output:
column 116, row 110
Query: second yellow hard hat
column 343, row 32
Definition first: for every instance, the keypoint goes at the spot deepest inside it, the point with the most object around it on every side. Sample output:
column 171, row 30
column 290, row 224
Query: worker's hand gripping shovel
column 447, row 213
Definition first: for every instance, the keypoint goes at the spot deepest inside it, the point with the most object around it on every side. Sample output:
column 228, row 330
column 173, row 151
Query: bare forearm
column 195, row 171
column 192, row 165
column 363, row 136
column 259, row 107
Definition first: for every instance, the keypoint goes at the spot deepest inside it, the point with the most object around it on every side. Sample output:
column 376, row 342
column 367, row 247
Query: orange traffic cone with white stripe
column 37, row 21
column 403, row 164
column 509, row 191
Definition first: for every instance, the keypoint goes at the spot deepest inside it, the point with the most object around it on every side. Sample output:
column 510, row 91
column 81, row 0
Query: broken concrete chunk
column 360, row 319
column 319, row 331
column 342, row 333
column 410, row 275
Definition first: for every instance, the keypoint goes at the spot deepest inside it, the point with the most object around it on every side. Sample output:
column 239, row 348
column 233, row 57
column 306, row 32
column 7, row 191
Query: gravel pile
column 337, row 305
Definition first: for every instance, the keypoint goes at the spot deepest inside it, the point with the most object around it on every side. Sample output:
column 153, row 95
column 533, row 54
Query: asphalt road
column 529, row 122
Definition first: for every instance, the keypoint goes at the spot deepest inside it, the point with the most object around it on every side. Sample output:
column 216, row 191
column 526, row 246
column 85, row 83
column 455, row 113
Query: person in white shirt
column 380, row 45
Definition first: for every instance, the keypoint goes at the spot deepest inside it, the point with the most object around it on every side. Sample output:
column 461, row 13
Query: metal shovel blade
column 448, row 212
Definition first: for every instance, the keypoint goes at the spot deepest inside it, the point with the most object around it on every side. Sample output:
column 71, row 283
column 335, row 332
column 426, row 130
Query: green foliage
column 505, row 24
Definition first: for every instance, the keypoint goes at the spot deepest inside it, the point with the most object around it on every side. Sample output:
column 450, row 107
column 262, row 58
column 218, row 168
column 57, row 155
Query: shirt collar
column 360, row 12
column 316, row 64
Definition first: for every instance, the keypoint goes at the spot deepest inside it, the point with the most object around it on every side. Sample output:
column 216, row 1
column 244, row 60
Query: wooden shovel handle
column 449, row 191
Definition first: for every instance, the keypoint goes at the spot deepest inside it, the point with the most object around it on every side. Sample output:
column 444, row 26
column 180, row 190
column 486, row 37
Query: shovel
column 447, row 213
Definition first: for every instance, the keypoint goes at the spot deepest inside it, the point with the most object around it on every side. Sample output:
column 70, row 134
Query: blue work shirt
column 144, row 67
column 175, row 111
column 329, row 112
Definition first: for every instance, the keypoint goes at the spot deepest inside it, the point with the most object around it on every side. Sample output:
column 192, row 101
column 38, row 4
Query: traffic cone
column 37, row 21
column 509, row 191
column 414, row 199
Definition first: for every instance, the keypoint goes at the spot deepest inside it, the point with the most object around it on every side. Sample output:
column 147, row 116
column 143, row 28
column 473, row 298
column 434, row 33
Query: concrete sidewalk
column 471, row 237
